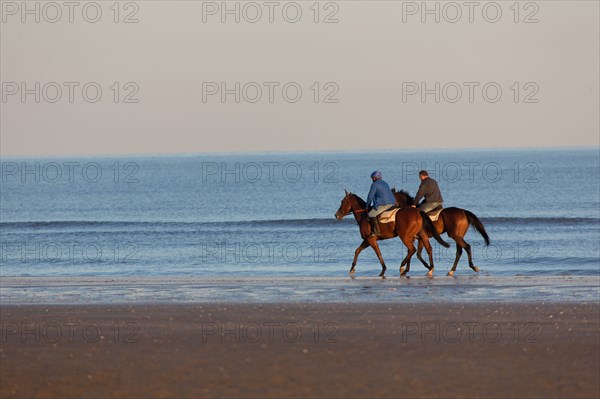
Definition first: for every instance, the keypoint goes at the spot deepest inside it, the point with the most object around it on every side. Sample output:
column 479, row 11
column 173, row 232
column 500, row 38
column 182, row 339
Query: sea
column 272, row 214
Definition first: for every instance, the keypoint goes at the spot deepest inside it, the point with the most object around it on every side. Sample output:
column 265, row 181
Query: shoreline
column 292, row 350
column 195, row 289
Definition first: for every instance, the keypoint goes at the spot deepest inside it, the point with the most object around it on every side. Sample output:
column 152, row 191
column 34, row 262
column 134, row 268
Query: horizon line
column 283, row 152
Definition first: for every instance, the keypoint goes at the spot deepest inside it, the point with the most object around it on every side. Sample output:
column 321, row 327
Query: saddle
column 388, row 216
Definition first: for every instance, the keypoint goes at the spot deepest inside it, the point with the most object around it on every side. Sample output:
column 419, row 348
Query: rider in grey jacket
column 430, row 190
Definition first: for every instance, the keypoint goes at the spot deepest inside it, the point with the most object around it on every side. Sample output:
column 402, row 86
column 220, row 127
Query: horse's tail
column 475, row 222
column 430, row 229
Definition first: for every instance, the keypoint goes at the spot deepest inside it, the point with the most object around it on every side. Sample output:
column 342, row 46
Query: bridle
column 355, row 211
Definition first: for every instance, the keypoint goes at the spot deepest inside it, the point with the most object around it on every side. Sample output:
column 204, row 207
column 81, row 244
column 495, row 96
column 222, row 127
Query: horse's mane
column 410, row 200
column 361, row 202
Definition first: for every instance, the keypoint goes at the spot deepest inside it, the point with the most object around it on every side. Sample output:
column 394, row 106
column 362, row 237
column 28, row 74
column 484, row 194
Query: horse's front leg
column 362, row 246
column 425, row 242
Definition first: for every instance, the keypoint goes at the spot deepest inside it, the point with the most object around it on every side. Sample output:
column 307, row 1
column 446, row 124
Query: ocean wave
column 60, row 224
column 111, row 224
column 541, row 220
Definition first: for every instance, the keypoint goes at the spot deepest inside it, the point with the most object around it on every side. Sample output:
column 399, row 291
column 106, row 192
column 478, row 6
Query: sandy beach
column 252, row 350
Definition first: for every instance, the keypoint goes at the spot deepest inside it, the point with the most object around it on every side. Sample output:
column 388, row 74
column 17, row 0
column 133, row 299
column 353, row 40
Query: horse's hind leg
column 406, row 261
column 467, row 248
column 425, row 242
column 460, row 244
column 403, row 270
column 362, row 246
column 419, row 252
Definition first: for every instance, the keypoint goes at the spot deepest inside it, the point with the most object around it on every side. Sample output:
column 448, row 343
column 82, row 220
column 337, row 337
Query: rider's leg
column 429, row 206
column 374, row 226
column 372, row 215
column 373, row 218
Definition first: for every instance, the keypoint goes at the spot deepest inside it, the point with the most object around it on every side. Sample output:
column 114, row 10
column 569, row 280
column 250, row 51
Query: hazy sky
column 533, row 82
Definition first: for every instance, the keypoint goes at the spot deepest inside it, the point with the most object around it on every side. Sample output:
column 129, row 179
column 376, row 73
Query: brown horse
column 455, row 222
column 409, row 223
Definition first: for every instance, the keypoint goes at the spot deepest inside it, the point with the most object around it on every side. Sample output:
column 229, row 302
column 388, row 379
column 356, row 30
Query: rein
column 358, row 211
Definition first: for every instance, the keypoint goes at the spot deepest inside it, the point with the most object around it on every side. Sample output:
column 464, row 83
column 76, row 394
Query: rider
column 430, row 190
column 382, row 198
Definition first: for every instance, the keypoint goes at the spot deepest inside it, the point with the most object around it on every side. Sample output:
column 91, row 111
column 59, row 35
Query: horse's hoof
column 476, row 269
column 430, row 274
column 402, row 271
column 352, row 271
column 450, row 273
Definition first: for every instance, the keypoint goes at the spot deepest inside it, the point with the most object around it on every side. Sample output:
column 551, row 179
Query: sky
column 152, row 77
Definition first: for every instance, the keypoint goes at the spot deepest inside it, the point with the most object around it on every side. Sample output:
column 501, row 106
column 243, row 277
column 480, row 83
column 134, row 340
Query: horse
column 455, row 222
column 409, row 223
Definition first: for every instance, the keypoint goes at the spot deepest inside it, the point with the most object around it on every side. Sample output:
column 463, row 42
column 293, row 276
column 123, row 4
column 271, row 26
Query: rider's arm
column 420, row 193
column 371, row 195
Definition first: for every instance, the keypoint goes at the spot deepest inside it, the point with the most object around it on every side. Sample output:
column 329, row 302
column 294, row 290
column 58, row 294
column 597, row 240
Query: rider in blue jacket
column 382, row 198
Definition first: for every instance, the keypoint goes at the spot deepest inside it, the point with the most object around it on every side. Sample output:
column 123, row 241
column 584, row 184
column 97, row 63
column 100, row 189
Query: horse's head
column 345, row 207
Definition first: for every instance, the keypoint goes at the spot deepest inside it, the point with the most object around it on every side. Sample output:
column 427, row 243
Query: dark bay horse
column 455, row 222
column 410, row 222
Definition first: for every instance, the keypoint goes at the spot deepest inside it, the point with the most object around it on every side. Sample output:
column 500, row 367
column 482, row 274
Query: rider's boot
column 374, row 226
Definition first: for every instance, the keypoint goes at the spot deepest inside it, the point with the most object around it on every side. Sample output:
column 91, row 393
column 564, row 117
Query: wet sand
column 350, row 350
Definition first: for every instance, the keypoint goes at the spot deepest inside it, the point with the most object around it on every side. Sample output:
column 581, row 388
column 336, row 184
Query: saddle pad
column 435, row 214
column 388, row 216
